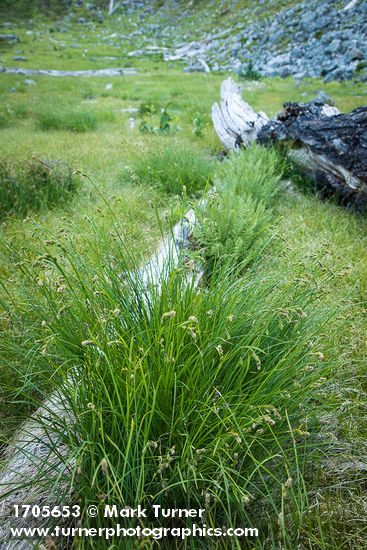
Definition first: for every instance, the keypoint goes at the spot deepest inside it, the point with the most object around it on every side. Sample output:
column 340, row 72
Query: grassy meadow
column 246, row 394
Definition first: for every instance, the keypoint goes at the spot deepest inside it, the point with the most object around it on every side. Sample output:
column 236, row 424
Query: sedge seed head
column 86, row 343
column 168, row 315
column 104, row 465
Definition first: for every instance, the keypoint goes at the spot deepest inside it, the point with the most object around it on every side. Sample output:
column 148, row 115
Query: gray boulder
column 355, row 54
column 8, row 38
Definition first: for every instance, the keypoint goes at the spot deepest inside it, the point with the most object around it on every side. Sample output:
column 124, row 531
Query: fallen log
column 329, row 146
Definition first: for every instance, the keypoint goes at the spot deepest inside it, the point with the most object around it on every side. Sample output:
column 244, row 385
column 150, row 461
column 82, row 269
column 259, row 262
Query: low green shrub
column 34, row 185
column 72, row 121
column 164, row 123
column 173, row 167
column 247, row 72
column 255, row 171
column 233, row 230
column 234, row 225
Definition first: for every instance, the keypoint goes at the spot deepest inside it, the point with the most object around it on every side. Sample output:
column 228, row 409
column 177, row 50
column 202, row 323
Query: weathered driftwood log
column 330, row 146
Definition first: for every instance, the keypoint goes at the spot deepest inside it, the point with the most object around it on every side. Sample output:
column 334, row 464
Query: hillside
column 325, row 39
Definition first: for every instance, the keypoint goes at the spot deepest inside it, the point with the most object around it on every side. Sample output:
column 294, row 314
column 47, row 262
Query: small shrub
column 164, row 126
column 234, row 230
column 362, row 65
column 34, row 185
column 255, row 171
column 72, row 121
column 248, row 72
column 147, row 108
column 173, row 167
column 234, row 227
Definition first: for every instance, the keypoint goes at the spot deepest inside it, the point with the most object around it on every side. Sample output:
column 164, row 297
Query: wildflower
column 235, row 456
column 44, row 324
column 86, row 343
column 260, row 431
column 230, row 318
column 309, row 368
column 219, row 350
column 168, row 315
column 91, row 406
column 96, row 293
column 320, row 355
column 116, row 312
column 61, row 288
column 210, row 313
column 104, row 465
column 289, row 482
column 245, row 499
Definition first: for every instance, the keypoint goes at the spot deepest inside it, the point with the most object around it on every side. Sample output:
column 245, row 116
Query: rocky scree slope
column 314, row 38
column 309, row 38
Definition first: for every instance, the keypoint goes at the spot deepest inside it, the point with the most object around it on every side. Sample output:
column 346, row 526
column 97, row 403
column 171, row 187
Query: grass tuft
column 5, row 119
column 72, row 121
column 173, row 167
column 34, row 185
